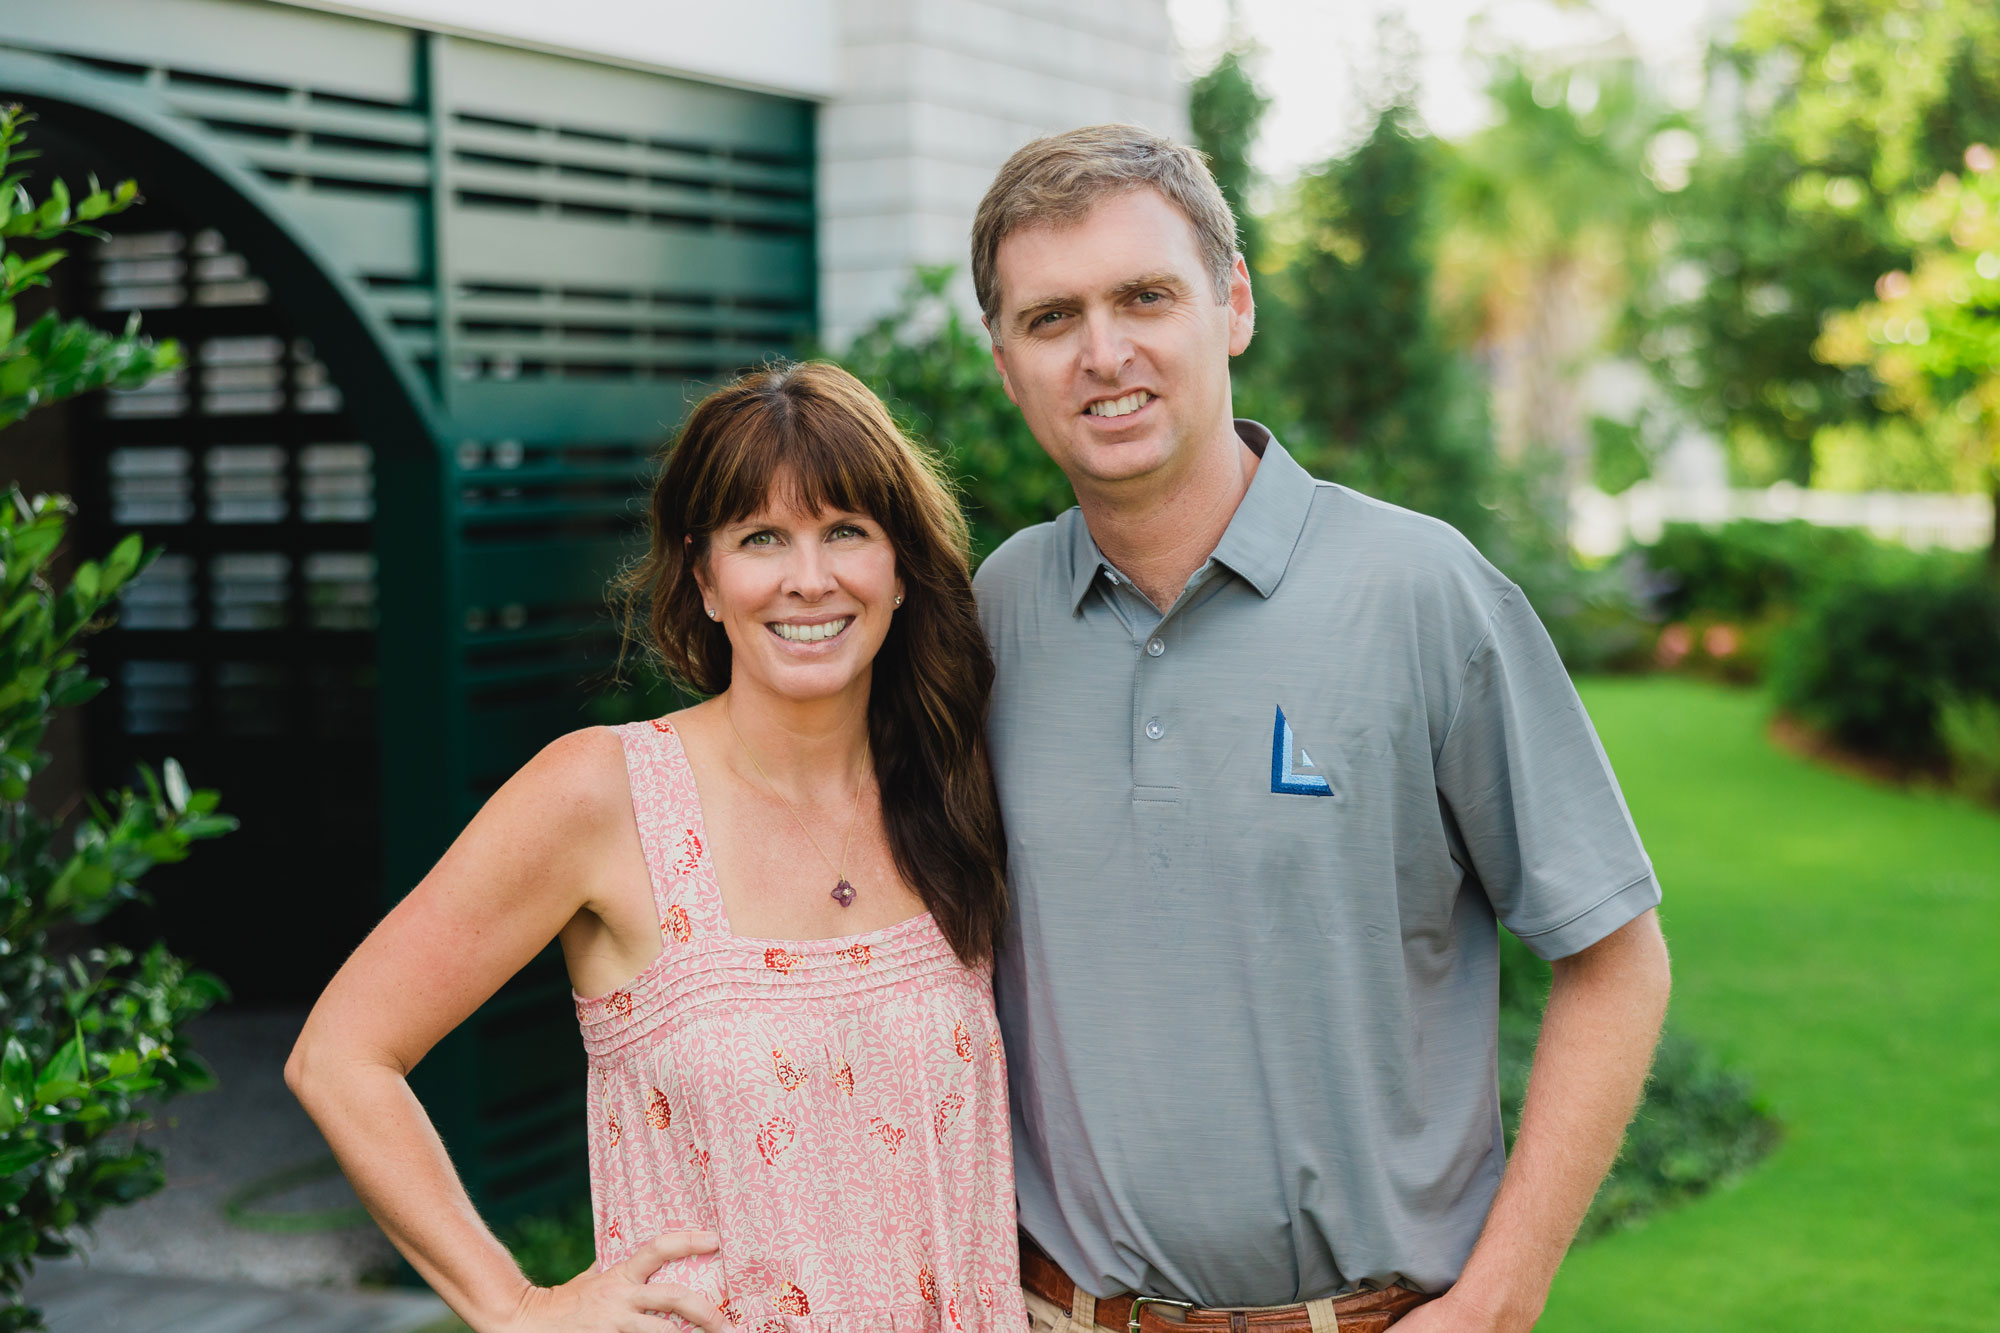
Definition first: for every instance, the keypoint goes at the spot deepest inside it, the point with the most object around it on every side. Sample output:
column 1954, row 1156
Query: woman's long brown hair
column 822, row 433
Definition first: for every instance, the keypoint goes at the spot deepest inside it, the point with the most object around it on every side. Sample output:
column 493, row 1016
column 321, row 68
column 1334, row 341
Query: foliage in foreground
column 90, row 1040
column 54, row 358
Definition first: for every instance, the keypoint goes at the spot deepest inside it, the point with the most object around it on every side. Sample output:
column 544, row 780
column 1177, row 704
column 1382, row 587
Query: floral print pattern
column 773, row 1086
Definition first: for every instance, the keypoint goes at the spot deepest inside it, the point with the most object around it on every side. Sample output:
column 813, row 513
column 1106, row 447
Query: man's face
column 1111, row 341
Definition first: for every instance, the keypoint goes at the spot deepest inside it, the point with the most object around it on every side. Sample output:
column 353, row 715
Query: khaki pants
column 1045, row 1316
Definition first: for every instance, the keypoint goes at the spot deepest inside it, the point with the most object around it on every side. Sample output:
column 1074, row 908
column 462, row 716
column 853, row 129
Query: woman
column 778, row 909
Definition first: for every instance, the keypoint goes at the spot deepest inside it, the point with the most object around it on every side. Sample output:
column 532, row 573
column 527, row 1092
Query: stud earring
column 899, row 599
column 713, row 614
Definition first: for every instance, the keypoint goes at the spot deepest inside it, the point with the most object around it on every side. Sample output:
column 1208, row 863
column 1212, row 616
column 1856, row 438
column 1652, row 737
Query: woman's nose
column 809, row 572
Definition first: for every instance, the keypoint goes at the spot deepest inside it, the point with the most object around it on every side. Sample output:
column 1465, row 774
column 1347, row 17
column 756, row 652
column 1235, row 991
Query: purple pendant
column 843, row 893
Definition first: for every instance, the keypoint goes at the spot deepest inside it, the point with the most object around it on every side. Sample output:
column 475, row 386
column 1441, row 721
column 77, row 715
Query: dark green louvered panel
column 551, row 259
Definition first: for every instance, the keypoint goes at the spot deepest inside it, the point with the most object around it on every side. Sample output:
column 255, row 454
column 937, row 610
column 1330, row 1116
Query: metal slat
column 489, row 80
column 637, row 194
column 555, row 349
column 386, row 125
column 266, row 43
column 378, row 235
column 488, row 245
column 284, row 159
column 552, row 572
column 530, row 145
column 536, row 411
column 635, row 314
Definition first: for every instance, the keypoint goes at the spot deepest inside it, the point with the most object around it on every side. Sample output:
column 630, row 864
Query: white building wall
column 933, row 95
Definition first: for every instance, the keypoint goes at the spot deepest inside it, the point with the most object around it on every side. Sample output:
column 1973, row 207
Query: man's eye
column 1151, row 298
column 1047, row 318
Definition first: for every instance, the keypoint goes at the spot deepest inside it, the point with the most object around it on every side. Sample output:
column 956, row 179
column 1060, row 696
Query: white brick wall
column 931, row 97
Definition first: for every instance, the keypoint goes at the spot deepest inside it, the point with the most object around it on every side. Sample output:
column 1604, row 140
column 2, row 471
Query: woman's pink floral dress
column 835, row 1110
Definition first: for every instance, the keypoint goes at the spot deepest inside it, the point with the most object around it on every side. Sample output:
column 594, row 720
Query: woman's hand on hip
column 619, row 1299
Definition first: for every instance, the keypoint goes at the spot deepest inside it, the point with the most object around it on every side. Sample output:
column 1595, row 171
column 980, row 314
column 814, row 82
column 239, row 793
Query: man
column 1273, row 757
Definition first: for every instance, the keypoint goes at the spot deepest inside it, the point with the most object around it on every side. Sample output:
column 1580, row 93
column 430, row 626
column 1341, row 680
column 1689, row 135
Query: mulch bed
column 1808, row 742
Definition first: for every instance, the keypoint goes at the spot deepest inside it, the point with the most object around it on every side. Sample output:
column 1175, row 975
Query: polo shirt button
column 1155, row 728
column 1154, row 648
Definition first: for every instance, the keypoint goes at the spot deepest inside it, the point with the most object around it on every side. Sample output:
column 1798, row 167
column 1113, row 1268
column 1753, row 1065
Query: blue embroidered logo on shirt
column 1289, row 763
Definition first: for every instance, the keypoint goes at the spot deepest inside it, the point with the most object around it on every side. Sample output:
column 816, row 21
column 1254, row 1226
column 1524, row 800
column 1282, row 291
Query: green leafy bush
column 54, row 358
column 90, row 1038
column 1871, row 660
column 1699, row 1126
column 88, row 1041
column 1970, row 730
column 1748, row 569
column 554, row 1247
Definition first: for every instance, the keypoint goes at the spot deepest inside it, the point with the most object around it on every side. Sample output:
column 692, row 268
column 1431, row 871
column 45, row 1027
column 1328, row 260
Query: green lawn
column 1839, row 942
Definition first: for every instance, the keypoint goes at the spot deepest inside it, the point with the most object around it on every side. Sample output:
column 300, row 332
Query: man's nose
column 1106, row 349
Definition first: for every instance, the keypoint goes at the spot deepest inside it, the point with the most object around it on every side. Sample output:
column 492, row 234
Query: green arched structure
column 518, row 267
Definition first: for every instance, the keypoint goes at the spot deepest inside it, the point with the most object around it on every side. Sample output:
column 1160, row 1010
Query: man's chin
column 1109, row 462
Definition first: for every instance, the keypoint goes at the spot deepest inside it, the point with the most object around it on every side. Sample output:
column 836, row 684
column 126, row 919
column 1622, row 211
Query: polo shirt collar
column 1258, row 543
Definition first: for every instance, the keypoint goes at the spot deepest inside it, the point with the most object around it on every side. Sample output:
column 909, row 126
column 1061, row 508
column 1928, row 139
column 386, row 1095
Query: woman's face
column 806, row 598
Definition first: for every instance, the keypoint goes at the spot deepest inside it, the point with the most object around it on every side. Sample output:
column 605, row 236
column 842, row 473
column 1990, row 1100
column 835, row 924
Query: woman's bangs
column 818, row 462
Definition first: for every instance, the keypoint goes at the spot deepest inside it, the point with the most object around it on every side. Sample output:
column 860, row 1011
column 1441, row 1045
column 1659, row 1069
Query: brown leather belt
column 1357, row 1312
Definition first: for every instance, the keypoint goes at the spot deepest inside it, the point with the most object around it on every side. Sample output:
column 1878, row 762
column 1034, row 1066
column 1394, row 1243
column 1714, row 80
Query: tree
column 1225, row 109
column 1842, row 106
column 1380, row 400
column 1931, row 336
column 1548, row 213
column 89, row 1041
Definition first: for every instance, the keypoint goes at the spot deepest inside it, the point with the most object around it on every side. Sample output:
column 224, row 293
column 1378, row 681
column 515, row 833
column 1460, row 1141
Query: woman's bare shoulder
column 579, row 776
column 583, row 772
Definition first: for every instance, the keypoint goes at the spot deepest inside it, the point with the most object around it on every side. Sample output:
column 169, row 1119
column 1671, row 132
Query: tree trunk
column 1993, row 546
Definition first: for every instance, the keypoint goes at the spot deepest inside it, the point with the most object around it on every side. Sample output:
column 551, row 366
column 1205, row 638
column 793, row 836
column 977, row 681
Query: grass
column 1837, row 942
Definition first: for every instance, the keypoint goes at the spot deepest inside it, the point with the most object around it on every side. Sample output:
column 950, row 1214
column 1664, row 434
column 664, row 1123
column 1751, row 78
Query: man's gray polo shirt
column 1257, row 847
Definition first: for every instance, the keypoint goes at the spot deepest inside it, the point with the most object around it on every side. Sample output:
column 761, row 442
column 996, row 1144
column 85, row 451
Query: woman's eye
column 760, row 539
column 847, row 530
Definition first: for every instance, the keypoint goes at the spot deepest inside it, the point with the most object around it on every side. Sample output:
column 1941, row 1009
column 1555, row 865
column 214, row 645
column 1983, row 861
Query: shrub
column 90, row 1040
column 1748, row 569
column 87, row 1040
column 1970, row 730
column 1698, row 1126
column 1871, row 660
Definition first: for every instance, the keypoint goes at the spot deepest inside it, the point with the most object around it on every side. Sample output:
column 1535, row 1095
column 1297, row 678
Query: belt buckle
column 1141, row 1302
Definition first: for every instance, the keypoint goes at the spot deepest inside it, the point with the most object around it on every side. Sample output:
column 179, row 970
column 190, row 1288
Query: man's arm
column 1603, row 1019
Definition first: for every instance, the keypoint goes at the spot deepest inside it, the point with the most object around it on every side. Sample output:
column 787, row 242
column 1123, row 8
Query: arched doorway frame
column 387, row 397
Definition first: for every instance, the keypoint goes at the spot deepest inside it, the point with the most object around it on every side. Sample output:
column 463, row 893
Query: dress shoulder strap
column 668, row 810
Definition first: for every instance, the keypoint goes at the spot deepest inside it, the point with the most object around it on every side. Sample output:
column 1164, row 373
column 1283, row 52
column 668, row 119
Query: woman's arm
column 548, row 844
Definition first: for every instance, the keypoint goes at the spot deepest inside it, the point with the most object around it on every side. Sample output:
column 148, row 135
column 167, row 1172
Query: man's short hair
column 1054, row 181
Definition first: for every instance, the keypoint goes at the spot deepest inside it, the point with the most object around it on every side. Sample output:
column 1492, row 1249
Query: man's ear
column 1242, row 308
column 999, row 362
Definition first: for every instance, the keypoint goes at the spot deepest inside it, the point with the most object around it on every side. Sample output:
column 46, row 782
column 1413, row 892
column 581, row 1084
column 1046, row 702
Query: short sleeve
column 1528, row 786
